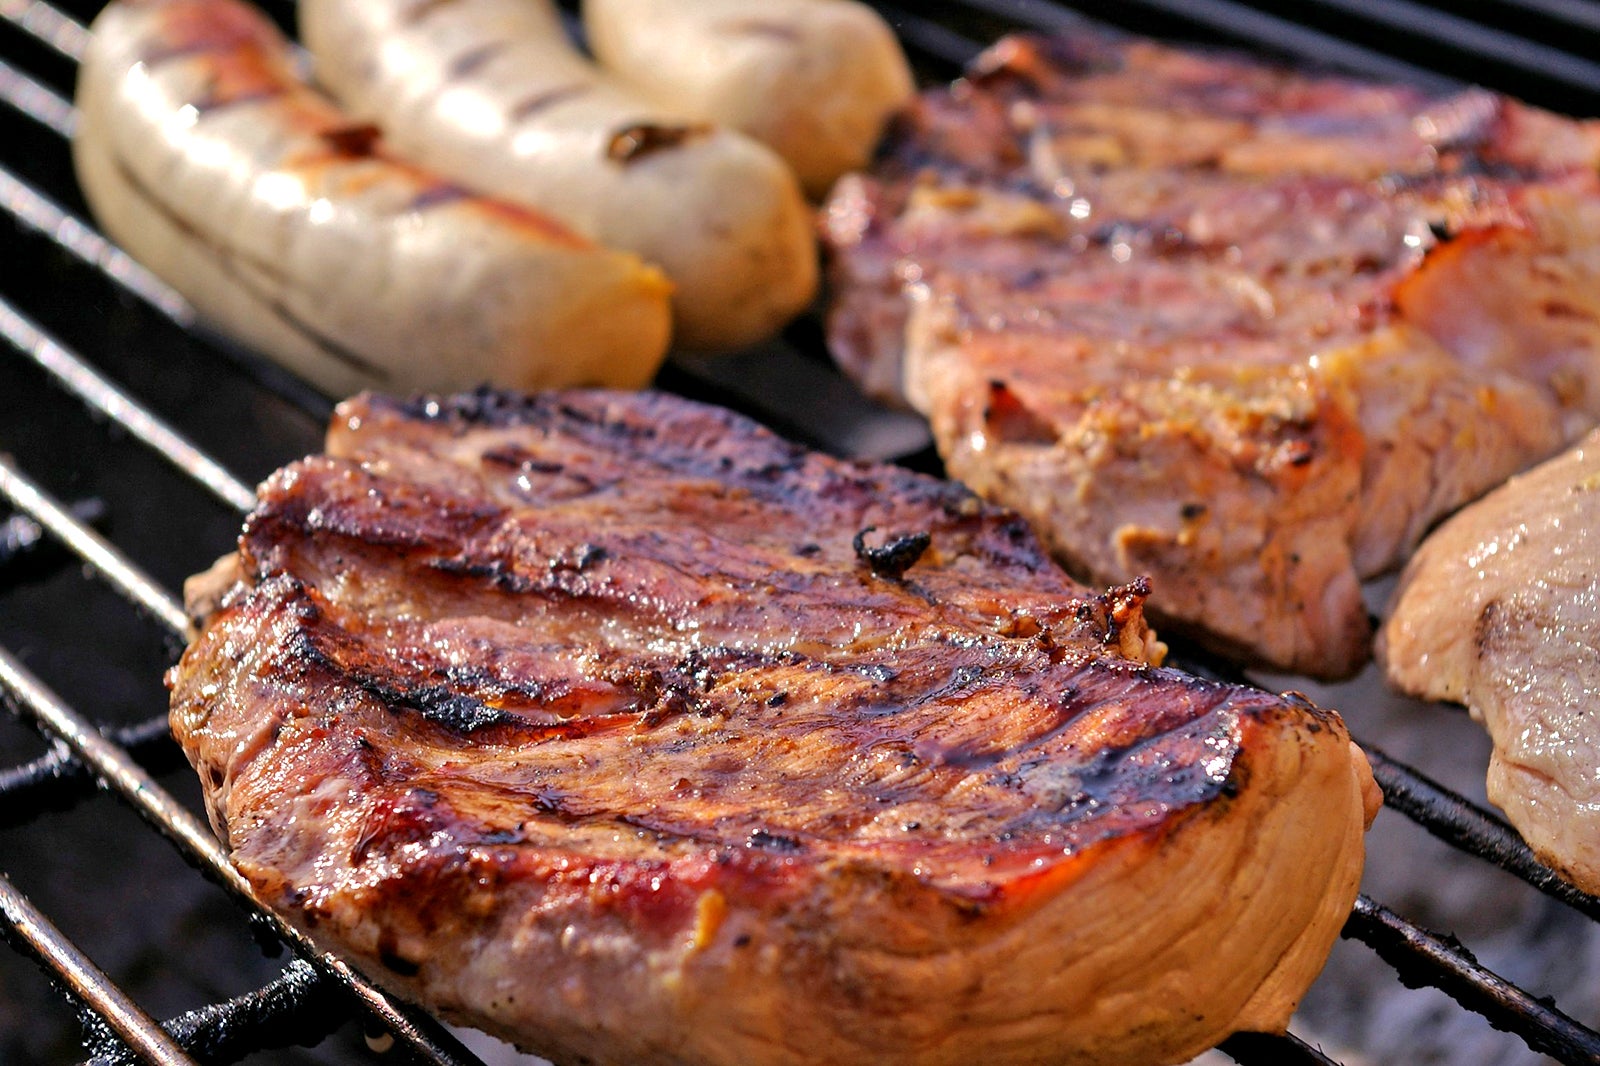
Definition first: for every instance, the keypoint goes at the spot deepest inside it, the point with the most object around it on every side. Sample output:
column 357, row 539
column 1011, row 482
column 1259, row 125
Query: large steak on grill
column 620, row 727
column 1245, row 331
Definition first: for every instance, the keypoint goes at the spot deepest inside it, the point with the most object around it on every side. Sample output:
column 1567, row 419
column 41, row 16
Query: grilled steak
column 1498, row 610
column 624, row 729
column 1242, row 330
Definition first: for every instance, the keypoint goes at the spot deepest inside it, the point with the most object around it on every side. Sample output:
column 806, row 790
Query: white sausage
column 291, row 229
column 492, row 93
column 814, row 79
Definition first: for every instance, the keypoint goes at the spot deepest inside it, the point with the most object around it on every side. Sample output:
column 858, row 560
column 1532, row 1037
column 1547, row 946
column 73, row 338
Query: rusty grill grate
column 77, row 317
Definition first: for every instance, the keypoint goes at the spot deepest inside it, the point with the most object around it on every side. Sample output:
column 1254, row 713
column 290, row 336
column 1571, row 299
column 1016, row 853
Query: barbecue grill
column 129, row 437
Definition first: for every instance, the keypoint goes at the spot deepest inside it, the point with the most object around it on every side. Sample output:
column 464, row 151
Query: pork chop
column 1498, row 610
column 1245, row 331
column 619, row 727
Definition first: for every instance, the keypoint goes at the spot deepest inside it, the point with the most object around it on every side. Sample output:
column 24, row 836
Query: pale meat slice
column 627, row 731
column 1499, row 610
column 1245, row 331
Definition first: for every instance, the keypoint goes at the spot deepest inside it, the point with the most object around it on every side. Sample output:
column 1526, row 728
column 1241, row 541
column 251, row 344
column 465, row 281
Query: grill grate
column 184, row 477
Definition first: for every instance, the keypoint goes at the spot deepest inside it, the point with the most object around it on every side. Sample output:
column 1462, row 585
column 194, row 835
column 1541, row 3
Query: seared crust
column 622, row 728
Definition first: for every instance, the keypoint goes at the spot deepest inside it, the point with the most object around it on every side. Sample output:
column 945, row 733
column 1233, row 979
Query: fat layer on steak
column 1245, row 331
column 1498, row 610
column 619, row 727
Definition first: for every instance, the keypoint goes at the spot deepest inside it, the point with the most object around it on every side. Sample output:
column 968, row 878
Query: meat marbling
column 618, row 726
column 1245, row 331
column 1498, row 610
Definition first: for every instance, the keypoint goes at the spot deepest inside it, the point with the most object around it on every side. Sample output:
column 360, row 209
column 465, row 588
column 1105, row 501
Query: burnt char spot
column 632, row 143
column 356, row 141
column 436, row 703
column 765, row 840
column 896, row 556
column 480, row 406
column 439, row 705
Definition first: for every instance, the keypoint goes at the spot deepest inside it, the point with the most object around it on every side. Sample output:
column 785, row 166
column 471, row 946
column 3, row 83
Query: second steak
column 1243, row 330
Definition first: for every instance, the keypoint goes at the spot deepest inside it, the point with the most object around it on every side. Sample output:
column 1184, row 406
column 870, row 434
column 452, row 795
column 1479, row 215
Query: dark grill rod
column 1579, row 13
column 85, row 981
column 94, row 549
column 1270, row 1049
column 1245, row 24
column 112, row 765
column 299, row 1006
column 928, row 37
column 1452, row 31
column 55, row 780
column 24, row 548
column 1428, row 959
column 100, row 393
column 1464, row 825
column 43, row 215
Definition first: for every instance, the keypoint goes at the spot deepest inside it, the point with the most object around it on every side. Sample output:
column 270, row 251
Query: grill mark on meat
column 717, row 729
column 1107, row 270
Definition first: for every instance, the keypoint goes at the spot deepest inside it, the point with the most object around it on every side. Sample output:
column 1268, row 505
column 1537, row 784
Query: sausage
column 492, row 93
column 294, row 230
column 814, row 79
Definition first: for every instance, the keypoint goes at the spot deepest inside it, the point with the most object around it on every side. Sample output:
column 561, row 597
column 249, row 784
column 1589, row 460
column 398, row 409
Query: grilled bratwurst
column 624, row 729
column 1245, row 331
column 293, row 228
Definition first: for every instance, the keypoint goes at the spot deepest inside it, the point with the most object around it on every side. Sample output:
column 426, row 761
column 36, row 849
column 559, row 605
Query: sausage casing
column 492, row 93
column 293, row 230
column 814, row 79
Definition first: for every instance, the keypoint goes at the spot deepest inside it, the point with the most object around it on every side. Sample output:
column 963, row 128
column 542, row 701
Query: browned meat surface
column 1499, row 610
column 624, row 729
column 1244, row 331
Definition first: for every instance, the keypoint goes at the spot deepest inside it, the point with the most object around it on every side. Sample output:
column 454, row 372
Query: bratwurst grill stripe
column 582, row 718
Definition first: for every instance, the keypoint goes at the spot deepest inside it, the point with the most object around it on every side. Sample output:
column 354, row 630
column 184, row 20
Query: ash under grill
column 110, row 396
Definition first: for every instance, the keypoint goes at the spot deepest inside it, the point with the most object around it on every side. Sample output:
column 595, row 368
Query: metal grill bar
column 1441, row 28
column 1267, row 1049
column 1580, row 13
column 1235, row 20
column 299, row 1006
column 86, row 981
column 1466, row 826
column 56, row 780
column 101, row 394
column 36, row 101
column 112, row 765
column 48, row 24
column 91, row 546
column 1424, row 958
